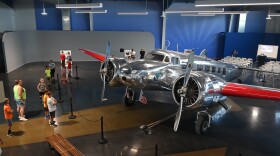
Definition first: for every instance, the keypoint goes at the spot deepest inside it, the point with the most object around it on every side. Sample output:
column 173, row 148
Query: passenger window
column 166, row 59
column 174, row 60
column 224, row 71
column 199, row 67
column 219, row 70
column 213, row 69
column 207, row 68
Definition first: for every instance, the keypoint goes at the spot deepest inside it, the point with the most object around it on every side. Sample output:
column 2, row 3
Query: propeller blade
column 104, row 70
column 183, row 90
column 178, row 115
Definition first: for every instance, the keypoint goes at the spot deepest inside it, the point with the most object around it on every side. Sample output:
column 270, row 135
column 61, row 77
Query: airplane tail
column 203, row 53
column 248, row 91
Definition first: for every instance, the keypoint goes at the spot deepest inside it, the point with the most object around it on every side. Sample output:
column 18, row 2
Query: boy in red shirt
column 8, row 113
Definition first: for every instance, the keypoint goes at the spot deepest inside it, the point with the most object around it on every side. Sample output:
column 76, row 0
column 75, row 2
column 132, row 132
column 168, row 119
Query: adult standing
column 62, row 58
column 132, row 53
column 142, row 53
column 20, row 98
column 52, row 67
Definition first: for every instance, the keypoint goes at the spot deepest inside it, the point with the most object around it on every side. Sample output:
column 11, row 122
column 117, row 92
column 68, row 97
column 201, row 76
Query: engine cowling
column 202, row 90
column 112, row 67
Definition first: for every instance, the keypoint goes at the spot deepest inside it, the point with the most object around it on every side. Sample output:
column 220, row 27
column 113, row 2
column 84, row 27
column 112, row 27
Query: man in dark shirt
column 142, row 53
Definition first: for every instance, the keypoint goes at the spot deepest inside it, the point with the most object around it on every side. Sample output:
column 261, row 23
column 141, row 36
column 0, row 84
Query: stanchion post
column 77, row 76
column 59, row 91
column 156, row 150
column 72, row 116
column 58, row 84
column 102, row 139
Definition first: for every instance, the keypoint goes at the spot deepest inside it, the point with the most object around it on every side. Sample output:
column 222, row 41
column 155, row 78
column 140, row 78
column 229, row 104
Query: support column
column 163, row 34
column 66, row 20
column 91, row 22
column 242, row 23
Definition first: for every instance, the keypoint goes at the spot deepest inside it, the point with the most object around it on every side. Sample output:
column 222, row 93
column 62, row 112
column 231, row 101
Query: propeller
column 183, row 90
column 103, row 71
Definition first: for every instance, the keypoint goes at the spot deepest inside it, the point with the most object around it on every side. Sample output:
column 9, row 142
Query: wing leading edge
column 93, row 54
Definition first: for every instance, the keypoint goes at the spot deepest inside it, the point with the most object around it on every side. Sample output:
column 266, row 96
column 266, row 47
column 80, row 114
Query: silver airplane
column 196, row 82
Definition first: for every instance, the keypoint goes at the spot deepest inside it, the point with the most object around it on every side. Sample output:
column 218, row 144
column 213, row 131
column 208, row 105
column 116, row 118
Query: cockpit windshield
column 154, row 57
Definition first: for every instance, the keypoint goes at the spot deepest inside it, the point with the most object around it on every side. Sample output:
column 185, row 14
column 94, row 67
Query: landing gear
column 129, row 98
column 239, row 81
column 202, row 122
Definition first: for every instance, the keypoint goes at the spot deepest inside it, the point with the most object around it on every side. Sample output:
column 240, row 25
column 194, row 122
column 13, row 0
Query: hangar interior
column 30, row 39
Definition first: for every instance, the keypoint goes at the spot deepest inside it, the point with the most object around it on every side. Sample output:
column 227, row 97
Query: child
column 45, row 104
column 69, row 67
column 8, row 113
column 42, row 87
column 48, row 74
column 52, row 108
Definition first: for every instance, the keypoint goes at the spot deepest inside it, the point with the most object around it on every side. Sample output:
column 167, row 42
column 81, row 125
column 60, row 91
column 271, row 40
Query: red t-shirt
column 69, row 65
column 62, row 56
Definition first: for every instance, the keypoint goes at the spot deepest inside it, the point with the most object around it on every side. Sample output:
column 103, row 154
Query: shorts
column 48, row 78
column 41, row 93
column 46, row 109
column 9, row 122
column 20, row 103
column 52, row 114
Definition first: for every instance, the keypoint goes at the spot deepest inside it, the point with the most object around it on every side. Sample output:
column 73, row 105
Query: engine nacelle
column 202, row 90
column 112, row 67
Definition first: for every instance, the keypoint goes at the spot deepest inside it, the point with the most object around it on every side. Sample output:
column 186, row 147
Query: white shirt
column 51, row 104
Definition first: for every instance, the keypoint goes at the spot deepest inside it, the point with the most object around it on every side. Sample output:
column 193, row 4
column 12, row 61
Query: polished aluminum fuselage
column 160, row 74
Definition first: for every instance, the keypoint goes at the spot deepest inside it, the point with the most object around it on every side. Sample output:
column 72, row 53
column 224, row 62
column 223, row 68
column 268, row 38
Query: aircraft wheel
column 129, row 99
column 201, row 124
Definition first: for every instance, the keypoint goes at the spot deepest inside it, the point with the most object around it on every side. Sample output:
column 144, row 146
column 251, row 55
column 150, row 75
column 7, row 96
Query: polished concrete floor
column 250, row 127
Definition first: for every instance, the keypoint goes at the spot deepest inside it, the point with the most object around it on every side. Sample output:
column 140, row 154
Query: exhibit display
column 198, row 83
column 270, row 51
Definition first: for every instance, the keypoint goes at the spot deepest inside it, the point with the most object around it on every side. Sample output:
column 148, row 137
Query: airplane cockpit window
column 174, row 60
column 154, row 57
column 219, row 70
column 166, row 59
column 213, row 69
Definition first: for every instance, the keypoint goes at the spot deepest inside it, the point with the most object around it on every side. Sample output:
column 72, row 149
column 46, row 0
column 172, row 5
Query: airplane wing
column 259, row 70
column 93, row 54
column 250, row 91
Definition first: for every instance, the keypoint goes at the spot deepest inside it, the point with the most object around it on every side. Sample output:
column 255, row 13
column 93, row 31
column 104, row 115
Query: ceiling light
column 195, row 10
column 274, row 14
column 133, row 13
column 91, row 11
column 208, row 3
column 226, row 12
column 268, row 17
column 79, row 6
column 44, row 10
column 197, row 14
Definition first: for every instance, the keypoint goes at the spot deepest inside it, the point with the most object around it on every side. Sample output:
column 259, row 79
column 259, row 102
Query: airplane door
column 2, row 59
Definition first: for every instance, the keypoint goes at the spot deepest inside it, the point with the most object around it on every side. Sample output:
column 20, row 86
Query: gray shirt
column 51, row 104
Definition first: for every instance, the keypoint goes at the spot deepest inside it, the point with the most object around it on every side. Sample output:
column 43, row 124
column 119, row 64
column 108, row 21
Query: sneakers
column 10, row 134
column 23, row 116
column 47, row 117
column 53, row 124
column 23, row 119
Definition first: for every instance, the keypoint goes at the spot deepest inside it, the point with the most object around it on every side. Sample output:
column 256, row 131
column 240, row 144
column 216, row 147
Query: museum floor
column 250, row 127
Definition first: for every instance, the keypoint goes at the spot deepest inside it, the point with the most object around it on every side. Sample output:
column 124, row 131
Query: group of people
column 66, row 66
column 130, row 55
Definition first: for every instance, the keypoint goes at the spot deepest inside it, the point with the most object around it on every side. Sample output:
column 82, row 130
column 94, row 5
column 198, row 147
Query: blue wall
column 195, row 32
column 50, row 22
column 247, row 43
column 79, row 22
column 113, row 22
column 256, row 22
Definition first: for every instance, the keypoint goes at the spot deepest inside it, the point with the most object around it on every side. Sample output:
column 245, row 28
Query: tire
column 129, row 101
column 239, row 81
column 201, row 124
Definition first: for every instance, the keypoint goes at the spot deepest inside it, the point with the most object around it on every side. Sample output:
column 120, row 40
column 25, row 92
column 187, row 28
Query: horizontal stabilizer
column 96, row 55
column 241, row 90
